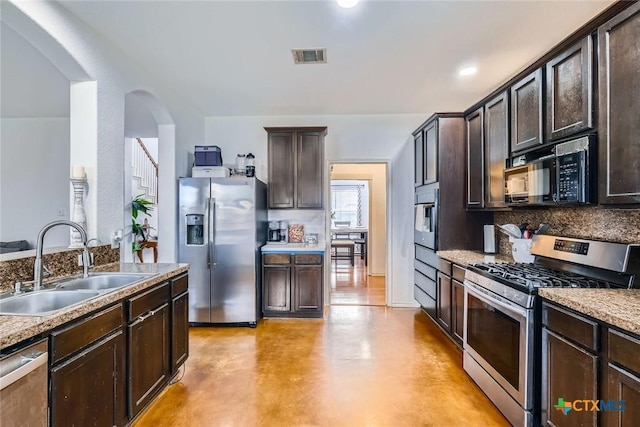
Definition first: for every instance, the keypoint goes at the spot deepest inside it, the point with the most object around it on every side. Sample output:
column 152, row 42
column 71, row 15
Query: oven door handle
column 495, row 300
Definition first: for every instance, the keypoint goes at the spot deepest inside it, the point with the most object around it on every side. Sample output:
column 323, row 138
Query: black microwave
column 568, row 176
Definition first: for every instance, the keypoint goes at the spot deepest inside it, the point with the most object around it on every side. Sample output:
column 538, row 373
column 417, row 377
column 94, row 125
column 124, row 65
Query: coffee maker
column 274, row 232
column 284, row 231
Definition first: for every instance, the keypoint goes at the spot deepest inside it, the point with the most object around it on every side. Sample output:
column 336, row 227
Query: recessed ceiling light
column 347, row 4
column 467, row 71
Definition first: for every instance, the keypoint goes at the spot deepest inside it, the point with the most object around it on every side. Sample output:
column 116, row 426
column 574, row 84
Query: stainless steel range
column 502, row 316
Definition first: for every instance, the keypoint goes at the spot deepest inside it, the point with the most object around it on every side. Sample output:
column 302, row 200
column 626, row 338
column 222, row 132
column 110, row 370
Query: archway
column 146, row 117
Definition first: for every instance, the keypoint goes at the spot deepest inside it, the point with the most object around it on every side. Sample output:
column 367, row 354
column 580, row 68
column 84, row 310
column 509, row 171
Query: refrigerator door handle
column 211, row 254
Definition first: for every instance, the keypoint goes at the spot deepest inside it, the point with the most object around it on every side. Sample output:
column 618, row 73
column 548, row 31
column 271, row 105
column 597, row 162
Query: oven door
column 498, row 334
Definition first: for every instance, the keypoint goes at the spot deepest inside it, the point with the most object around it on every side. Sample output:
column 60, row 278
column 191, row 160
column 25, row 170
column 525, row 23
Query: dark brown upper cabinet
column 496, row 149
column 296, row 161
column 475, row 158
column 430, row 162
column 526, row 112
column 619, row 109
column 418, row 147
column 570, row 91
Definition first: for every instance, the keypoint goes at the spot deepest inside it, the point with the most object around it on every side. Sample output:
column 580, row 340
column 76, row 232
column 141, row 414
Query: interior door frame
column 388, row 229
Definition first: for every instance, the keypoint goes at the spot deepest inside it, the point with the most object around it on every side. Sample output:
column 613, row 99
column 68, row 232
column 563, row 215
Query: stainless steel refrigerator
column 222, row 226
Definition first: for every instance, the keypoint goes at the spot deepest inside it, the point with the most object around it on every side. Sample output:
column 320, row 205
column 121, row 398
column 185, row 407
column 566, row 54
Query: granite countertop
column 293, row 247
column 618, row 307
column 462, row 257
column 14, row 329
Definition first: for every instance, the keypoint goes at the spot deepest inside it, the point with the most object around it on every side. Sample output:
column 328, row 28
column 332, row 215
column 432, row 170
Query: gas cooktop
column 533, row 276
column 566, row 263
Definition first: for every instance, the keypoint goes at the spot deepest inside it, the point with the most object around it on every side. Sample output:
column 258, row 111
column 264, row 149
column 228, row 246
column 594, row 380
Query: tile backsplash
column 61, row 264
column 313, row 220
column 595, row 223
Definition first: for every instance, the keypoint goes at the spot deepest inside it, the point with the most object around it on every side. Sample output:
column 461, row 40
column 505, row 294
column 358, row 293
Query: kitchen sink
column 44, row 302
column 101, row 282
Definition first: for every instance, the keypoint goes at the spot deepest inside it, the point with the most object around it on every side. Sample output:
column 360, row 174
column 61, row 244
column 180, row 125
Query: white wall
column 350, row 138
column 34, row 178
column 83, row 55
column 377, row 174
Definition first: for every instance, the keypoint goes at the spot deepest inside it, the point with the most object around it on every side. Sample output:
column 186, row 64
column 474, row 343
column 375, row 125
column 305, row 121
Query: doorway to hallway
column 358, row 230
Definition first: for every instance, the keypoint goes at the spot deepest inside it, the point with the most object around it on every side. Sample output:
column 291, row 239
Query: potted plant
column 139, row 231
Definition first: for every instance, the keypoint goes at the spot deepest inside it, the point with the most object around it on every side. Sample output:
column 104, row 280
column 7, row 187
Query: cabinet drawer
column 424, row 283
column 147, row 301
column 625, row 350
column 308, row 259
column 276, row 259
column 428, row 303
column 81, row 334
column 458, row 273
column 179, row 285
column 425, row 269
column 572, row 326
column 429, row 257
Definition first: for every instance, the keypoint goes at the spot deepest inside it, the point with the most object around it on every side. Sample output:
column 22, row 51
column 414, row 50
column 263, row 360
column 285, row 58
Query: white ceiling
column 232, row 58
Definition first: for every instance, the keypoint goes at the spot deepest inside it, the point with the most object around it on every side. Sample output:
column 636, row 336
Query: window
column 350, row 202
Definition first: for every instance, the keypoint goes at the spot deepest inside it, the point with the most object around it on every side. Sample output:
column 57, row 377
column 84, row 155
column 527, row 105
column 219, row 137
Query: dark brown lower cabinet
column 276, row 282
column 179, row 331
column 292, row 285
column 148, row 363
column 89, row 388
column 443, row 301
column 457, row 311
column 569, row 373
column 622, row 386
column 308, row 289
column 587, row 360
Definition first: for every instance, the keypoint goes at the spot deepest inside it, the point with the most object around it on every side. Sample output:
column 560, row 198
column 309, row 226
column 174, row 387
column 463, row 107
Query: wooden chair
column 363, row 248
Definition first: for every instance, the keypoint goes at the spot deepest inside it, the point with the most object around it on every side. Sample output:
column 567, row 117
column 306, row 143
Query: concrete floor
column 360, row 366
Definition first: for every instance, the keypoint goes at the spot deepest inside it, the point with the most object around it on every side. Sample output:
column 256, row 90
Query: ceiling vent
column 309, row 56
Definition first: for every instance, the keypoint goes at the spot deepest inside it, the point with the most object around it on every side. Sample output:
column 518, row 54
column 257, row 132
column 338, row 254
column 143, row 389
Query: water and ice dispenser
column 195, row 229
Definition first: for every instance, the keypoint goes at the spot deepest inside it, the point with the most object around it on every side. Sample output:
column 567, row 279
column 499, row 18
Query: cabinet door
column 457, row 311
column 309, row 164
column 526, row 112
column 281, row 170
column 619, row 127
column 89, row 389
column 307, row 295
column 621, row 386
column 276, row 285
column 569, row 91
column 179, row 331
column 443, row 301
column 569, row 373
column 496, row 147
column 475, row 159
column 148, row 368
column 430, row 162
column 418, row 149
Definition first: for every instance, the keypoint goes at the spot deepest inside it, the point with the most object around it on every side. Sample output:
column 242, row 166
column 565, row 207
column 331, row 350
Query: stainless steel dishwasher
column 23, row 386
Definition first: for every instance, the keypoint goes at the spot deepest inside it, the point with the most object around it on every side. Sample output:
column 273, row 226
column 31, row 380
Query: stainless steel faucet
column 37, row 267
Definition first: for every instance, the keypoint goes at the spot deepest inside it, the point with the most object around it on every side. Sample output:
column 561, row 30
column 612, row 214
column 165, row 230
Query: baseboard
column 404, row 305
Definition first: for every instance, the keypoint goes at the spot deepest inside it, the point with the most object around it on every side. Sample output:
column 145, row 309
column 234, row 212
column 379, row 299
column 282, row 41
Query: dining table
column 352, row 233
